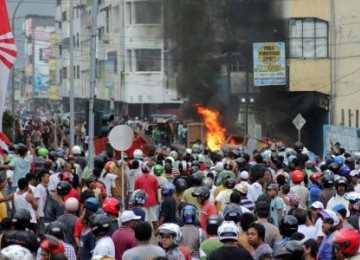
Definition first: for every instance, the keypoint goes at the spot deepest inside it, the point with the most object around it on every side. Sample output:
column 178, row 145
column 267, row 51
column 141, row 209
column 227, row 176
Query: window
column 64, row 72
column 148, row 59
column 107, row 20
column 78, row 71
column 148, row 12
column 64, row 16
column 100, row 69
column 112, row 56
column 308, row 38
column 101, row 32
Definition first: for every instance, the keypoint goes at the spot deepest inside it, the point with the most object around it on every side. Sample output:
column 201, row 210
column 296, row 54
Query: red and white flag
column 8, row 54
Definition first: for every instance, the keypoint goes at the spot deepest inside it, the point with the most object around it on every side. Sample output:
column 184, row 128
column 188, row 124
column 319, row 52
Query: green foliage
column 7, row 122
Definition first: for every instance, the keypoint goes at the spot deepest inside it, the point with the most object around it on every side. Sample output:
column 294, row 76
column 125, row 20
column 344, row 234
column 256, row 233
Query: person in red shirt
column 138, row 143
column 149, row 183
column 68, row 177
column 208, row 209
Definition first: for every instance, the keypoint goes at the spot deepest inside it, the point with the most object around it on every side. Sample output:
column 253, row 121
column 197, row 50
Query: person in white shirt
column 100, row 226
column 41, row 189
column 354, row 180
column 305, row 227
column 316, row 207
column 223, row 198
column 341, row 185
column 256, row 188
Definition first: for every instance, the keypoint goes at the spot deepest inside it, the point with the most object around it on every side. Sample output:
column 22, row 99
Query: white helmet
column 219, row 167
column 71, row 204
column 201, row 158
column 228, row 230
column 16, row 252
column 171, row 159
column 76, row 150
column 138, row 154
column 188, row 150
column 330, row 216
column 173, row 230
column 174, row 155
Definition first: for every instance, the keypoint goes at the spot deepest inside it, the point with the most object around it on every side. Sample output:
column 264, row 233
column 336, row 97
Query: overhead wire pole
column 94, row 13
column 71, row 96
column 13, row 71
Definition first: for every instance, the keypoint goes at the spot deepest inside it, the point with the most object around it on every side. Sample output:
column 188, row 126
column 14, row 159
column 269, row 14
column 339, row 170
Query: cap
column 244, row 175
column 294, row 198
column 272, row 186
column 354, row 173
column 241, row 187
column 317, row 205
column 128, row 215
column 92, row 178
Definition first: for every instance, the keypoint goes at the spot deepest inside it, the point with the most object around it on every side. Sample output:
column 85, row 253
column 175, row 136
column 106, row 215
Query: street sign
column 299, row 121
column 121, row 137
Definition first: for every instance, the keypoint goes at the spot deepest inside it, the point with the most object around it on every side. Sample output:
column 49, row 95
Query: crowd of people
column 191, row 204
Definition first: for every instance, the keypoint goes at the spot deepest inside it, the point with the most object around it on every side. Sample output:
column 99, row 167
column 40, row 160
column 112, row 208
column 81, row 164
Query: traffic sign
column 121, row 137
column 299, row 121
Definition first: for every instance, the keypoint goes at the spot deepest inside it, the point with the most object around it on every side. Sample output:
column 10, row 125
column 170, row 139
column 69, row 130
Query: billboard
column 269, row 64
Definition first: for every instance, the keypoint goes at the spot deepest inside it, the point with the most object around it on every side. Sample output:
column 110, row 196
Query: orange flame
column 215, row 135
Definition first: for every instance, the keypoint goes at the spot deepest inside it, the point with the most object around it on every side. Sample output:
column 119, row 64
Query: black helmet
column 53, row 155
column 298, row 146
column 230, row 183
column 56, row 229
column 99, row 162
column 202, row 192
column 288, row 225
column 212, row 224
column 292, row 250
column 100, row 224
column 232, row 212
column 327, row 179
column 63, row 188
column 341, row 181
column 194, row 168
column 196, row 178
column 180, row 185
column 241, row 162
column 21, row 219
column 195, row 163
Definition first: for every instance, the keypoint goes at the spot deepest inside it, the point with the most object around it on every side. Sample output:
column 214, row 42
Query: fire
column 215, row 135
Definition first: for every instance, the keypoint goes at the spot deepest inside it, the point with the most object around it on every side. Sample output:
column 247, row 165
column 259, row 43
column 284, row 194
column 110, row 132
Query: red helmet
column 52, row 245
column 347, row 240
column 111, row 206
column 110, row 166
column 66, row 176
column 297, row 176
column 315, row 177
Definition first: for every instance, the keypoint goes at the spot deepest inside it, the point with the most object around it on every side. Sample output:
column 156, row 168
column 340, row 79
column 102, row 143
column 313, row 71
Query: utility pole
column 71, row 96
column 94, row 13
column 13, row 71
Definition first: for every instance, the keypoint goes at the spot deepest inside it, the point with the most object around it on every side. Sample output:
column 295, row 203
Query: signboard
column 299, row 121
column 269, row 64
column 346, row 136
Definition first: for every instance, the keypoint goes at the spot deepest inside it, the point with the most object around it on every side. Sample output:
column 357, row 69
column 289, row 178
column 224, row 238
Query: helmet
column 63, row 188
column 228, row 230
column 43, row 152
column 169, row 160
column 56, row 229
column 298, row 147
column 21, row 219
column 173, row 230
column 138, row 197
column 208, row 182
column 219, row 167
column 352, row 196
column 288, row 225
column 76, row 150
column 230, row 183
column 52, row 245
column 201, row 158
column 111, row 206
column 314, row 178
column 297, row 176
column 167, row 189
column 100, row 224
column 196, row 178
column 212, row 224
column 341, row 181
column 146, row 166
column 202, row 192
column 16, row 252
column 232, row 212
column 189, row 215
column 174, row 155
column 344, row 170
column 66, row 176
column 241, row 162
column 180, row 185
column 290, row 250
column 227, row 166
column 53, row 155
column 348, row 240
column 309, row 164
column 194, row 168
column 92, row 204
column 330, row 217
column 72, row 204
column 339, row 160
column 158, row 169
column 138, row 154
column 327, row 179
column 110, row 166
